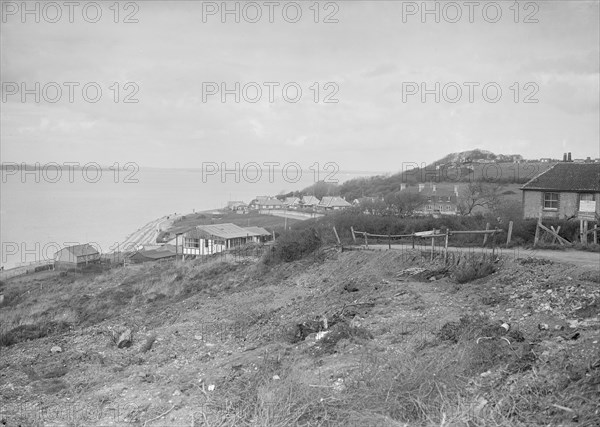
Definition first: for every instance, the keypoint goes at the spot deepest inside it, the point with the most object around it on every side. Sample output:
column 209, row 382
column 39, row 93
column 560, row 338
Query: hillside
column 336, row 339
column 453, row 169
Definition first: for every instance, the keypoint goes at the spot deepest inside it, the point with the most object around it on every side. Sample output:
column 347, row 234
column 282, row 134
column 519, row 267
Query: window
column 191, row 243
column 550, row 200
column 587, row 197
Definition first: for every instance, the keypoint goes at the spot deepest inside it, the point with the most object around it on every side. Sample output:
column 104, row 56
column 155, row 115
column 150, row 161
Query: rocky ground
column 351, row 339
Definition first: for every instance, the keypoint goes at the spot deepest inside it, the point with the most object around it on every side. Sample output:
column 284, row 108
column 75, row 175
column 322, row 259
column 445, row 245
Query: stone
column 55, row 349
column 125, row 339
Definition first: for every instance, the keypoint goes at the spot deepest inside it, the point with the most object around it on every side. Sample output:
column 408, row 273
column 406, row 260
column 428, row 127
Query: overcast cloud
column 369, row 55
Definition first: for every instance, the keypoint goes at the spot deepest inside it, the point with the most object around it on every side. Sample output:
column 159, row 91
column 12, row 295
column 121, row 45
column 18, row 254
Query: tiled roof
column 310, row 200
column 165, row 251
column 330, row 202
column 81, row 250
column 271, row 202
column 258, row 230
column 223, row 231
column 565, row 176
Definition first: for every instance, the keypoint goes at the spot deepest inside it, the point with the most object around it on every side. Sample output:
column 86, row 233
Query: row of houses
column 293, row 203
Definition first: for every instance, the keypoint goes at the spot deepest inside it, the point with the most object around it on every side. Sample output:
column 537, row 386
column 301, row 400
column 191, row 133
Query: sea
column 42, row 211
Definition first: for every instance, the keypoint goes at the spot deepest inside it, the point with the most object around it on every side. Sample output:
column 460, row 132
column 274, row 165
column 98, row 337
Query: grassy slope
column 225, row 353
column 252, row 219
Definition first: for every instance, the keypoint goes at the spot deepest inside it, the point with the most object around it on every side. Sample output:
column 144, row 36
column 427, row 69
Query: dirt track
column 578, row 258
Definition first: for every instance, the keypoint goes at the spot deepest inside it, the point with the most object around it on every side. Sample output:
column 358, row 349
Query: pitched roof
column 310, row 200
column 330, row 202
column 223, row 231
column 80, row 250
column 258, row 230
column 290, row 201
column 566, row 176
column 166, row 251
column 235, row 204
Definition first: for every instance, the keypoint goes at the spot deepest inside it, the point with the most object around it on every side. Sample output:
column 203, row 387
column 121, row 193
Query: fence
column 33, row 267
column 423, row 250
column 542, row 232
column 429, row 240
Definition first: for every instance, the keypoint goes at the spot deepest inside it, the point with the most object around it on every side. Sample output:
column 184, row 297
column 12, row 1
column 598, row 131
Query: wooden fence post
column 510, row 226
column 413, row 241
column 446, row 246
column 432, row 245
column 353, row 235
column 537, row 231
column 596, row 235
column 485, row 236
column 389, row 242
column 366, row 241
column 336, row 236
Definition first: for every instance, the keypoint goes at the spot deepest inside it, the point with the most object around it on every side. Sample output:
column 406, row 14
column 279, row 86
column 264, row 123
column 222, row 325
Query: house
column 76, row 256
column 333, row 203
column 237, row 206
column 153, row 254
column 256, row 202
column 292, row 202
column 262, row 234
column 265, row 202
column 365, row 200
column 213, row 238
column 438, row 202
column 310, row 201
column 565, row 190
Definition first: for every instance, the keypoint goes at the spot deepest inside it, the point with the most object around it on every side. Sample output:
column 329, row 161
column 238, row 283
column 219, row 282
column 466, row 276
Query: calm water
column 36, row 218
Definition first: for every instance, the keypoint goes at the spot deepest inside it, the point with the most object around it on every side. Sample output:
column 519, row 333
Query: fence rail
column 433, row 235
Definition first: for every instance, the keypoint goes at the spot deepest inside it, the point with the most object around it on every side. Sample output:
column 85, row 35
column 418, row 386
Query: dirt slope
column 349, row 339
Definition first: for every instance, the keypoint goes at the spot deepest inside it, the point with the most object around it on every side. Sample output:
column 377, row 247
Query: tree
column 403, row 203
column 479, row 194
column 373, row 206
column 321, row 188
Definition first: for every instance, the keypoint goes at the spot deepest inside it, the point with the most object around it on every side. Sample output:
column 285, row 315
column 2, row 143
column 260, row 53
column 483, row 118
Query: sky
column 361, row 69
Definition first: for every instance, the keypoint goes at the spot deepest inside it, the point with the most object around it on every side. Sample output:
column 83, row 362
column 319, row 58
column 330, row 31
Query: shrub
column 293, row 245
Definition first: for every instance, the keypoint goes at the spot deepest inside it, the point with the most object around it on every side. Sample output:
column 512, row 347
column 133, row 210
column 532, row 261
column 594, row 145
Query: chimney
column 421, row 187
column 564, row 157
column 569, row 157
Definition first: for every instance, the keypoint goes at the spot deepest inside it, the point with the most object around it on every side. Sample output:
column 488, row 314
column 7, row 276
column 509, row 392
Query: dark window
column 191, row 243
column 550, row 200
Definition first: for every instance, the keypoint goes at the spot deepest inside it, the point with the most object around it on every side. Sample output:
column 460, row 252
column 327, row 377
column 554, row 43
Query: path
column 579, row 258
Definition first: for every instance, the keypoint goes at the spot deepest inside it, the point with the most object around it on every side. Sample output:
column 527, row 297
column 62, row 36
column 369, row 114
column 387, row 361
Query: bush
column 293, row 245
